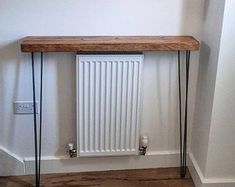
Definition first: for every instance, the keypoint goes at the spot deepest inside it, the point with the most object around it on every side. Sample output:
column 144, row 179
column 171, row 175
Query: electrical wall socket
column 24, row 107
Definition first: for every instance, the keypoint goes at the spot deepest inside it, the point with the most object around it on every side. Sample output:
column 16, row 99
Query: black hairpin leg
column 183, row 135
column 37, row 143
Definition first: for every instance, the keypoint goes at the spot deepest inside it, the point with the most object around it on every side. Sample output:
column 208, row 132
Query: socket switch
column 24, row 107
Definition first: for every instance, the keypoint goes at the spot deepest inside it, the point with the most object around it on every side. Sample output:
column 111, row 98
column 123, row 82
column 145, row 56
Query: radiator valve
column 72, row 152
column 144, row 145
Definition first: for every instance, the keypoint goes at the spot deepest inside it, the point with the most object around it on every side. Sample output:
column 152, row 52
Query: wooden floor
column 163, row 177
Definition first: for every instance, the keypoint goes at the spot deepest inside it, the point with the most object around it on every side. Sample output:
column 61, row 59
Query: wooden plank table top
column 108, row 43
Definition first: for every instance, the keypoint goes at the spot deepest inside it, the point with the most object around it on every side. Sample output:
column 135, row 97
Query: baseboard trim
column 201, row 181
column 10, row 163
column 63, row 164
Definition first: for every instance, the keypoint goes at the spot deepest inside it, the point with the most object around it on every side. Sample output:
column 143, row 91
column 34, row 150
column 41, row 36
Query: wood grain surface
column 163, row 177
column 108, row 43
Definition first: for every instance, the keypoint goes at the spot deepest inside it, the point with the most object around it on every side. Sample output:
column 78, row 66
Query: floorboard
column 162, row 177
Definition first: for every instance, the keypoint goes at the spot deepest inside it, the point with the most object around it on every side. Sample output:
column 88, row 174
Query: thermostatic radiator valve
column 144, row 145
column 72, row 152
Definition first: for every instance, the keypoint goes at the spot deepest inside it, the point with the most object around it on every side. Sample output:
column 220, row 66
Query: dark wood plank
column 163, row 177
column 156, row 183
column 108, row 43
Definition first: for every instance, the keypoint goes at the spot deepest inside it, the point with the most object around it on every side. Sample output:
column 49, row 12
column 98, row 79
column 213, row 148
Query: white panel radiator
column 108, row 94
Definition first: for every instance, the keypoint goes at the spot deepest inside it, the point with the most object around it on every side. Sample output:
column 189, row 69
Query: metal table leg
column 183, row 135
column 37, row 137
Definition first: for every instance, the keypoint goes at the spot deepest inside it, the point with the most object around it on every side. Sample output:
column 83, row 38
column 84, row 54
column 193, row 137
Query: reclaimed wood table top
column 108, row 43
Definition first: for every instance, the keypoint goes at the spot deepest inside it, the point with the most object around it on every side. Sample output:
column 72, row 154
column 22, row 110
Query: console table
column 109, row 44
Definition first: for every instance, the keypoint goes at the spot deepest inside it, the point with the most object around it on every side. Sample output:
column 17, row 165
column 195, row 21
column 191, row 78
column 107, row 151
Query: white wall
column 221, row 153
column 210, row 44
column 90, row 17
column 212, row 148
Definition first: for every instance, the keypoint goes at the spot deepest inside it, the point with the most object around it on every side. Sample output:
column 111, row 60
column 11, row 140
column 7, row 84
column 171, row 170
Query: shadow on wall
column 202, row 88
column 205, row 9
column 211, row 34
column 191, row 15
column 66, row 77
column 188, row 7
column 171, row 118
column 10, row 80
column 203, row 104
column 159, row 113
column 59, row 102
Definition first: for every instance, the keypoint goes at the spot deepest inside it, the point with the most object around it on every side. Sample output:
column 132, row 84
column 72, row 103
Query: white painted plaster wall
column 212, row 148
column 221, row 153
column 90, row 17
column 210, row 44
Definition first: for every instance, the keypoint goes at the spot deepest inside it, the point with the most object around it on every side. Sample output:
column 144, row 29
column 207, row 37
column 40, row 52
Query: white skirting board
column 158, row 159
column 201, row 181
column 10, row 164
